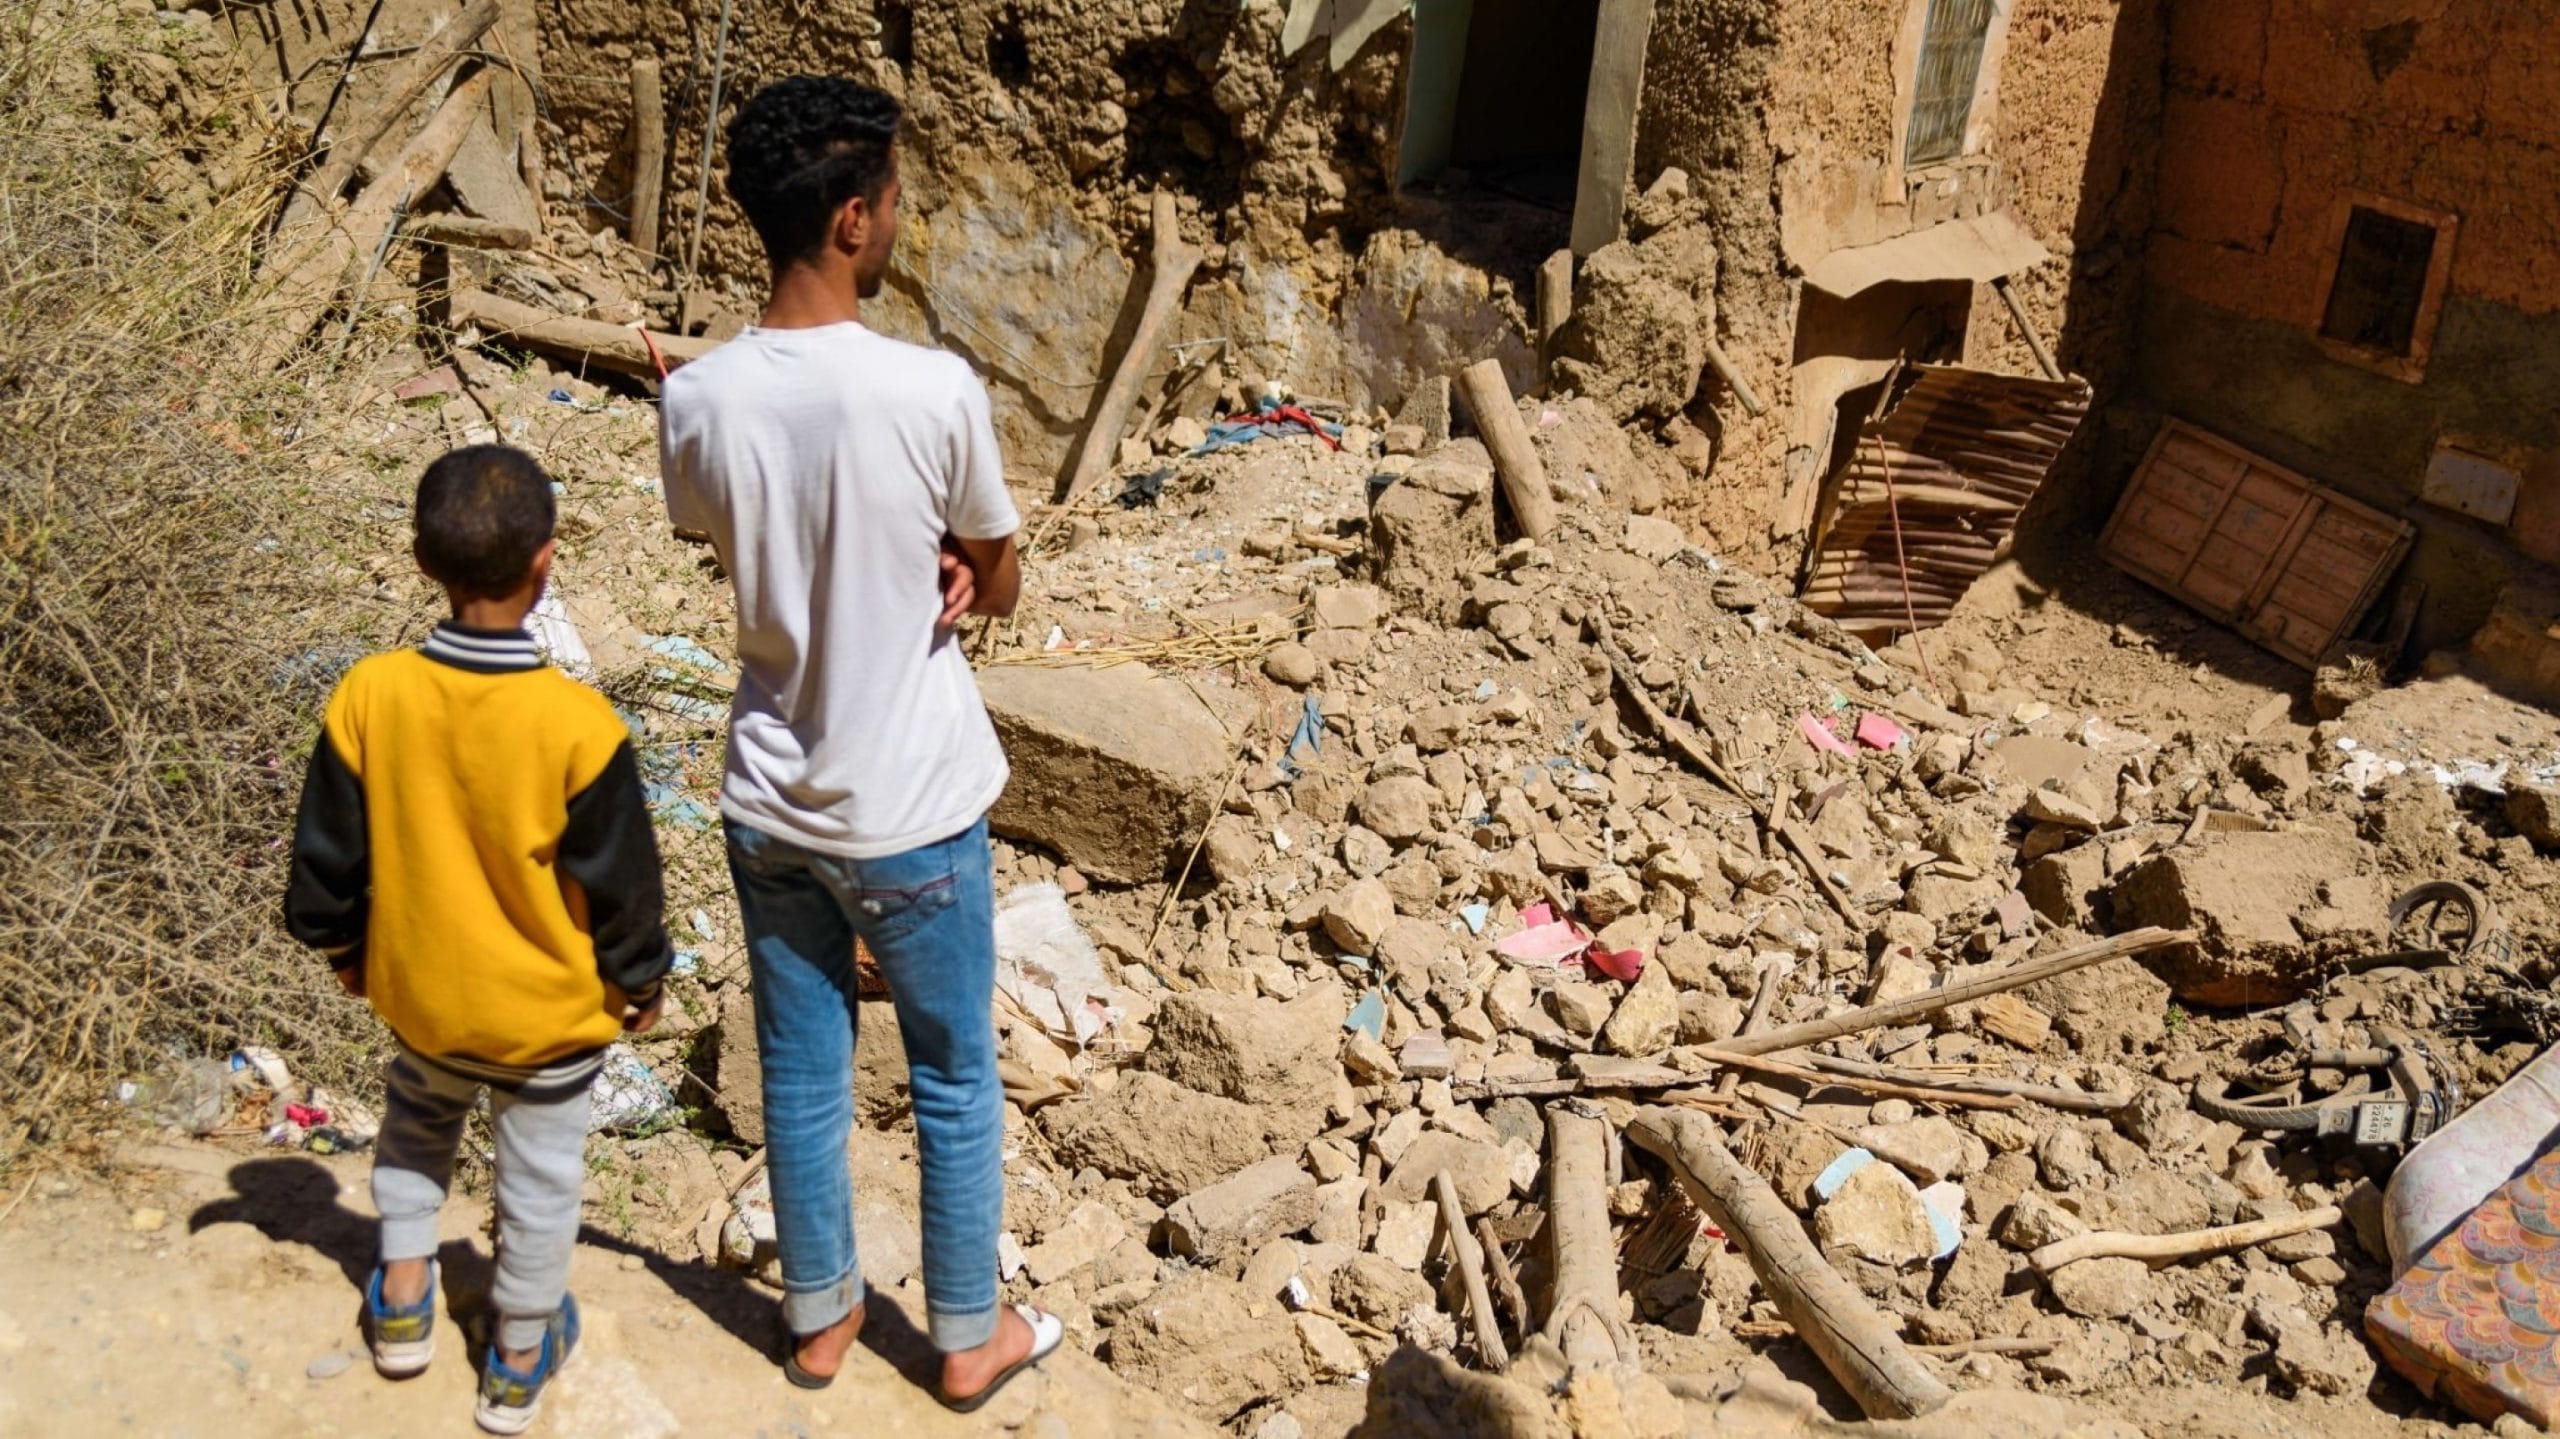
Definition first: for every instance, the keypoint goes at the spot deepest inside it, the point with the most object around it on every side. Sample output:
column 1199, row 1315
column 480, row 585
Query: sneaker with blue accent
column 403, row 1336
column 509, row 1397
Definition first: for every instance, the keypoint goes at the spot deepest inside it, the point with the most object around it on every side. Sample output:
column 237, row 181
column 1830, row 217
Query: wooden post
column 613, row 347
column 303, row 290
column 312, row 198
column 1852, row 1340
column 1555, row 301
column 1515, row 459
column 1921, row 1006
column 648, row 155
column 1169, row 270
column 1582, row 1313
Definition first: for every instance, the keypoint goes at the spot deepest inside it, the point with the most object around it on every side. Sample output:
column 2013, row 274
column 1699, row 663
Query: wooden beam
column 1852, row 1340
column 593, row 342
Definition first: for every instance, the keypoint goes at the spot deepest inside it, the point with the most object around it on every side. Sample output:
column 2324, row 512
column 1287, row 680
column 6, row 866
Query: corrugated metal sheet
column 2289, row 563
column 1966, row 450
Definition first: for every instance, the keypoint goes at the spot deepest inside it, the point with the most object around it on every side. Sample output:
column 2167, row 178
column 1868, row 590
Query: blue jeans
column 928, row 917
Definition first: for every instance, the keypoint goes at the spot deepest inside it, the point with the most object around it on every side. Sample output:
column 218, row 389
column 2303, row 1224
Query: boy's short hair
column 800, row 149
column 482, row 512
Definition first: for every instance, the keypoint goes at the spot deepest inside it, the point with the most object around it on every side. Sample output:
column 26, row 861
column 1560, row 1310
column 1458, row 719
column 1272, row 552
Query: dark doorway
column 1509, row 119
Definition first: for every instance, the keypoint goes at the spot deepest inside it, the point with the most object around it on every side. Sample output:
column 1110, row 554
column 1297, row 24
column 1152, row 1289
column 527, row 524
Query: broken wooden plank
column 1853, row 1341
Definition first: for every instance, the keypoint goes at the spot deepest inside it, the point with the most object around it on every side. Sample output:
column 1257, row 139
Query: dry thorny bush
column 172, row 610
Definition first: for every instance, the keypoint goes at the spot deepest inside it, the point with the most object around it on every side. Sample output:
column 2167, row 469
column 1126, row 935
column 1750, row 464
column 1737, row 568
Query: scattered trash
column 1476, row 915
column 1145, row 489
column 254, row 1066
column 1045, row 964
column 1271, row 421
column 329, row 1365
column 1307, row 741
column 193, row 1095
column 1877, row 731
column 1544, row 940
column 1369, row 1016
column 1819, row 735
column 629, row 1097
column 683, row 649
column 557, row 636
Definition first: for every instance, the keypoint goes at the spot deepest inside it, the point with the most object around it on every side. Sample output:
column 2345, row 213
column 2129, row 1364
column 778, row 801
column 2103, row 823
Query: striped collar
column 482, row 651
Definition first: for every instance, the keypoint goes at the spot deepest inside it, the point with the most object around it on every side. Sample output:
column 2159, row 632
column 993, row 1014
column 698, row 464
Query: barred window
column 1942, row 95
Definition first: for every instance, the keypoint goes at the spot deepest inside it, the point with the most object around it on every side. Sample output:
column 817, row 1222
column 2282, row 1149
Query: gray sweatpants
column 541, row 1178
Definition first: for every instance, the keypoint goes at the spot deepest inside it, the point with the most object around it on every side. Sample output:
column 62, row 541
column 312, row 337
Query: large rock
column 1167, row 1140
column 2269, row 910
column 1235, row 1215
column 1281, row 1057
column 1113, row 769
column 1430, row 526
column 879, row 1066
column 1480, row 1172
column 1209, row 1345
column 1647, row 1019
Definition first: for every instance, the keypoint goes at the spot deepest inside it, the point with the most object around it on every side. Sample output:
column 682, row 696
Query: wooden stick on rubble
column 304, row 291
column 648, row 155
column 1468, row 1262
column 1582, row 1317
column 592, row 342
column 1923, row 1005
column 2159, row 1248
column 1169, row 267
column 1852, row 1340
column 1678, row 737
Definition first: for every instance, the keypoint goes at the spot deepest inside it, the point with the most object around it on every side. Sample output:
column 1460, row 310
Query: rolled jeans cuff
column 806, row 1311
column 409, row 1236
column 955, row 1330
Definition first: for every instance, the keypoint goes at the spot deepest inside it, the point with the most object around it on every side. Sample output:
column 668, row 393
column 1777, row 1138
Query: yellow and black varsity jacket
column 473, row 833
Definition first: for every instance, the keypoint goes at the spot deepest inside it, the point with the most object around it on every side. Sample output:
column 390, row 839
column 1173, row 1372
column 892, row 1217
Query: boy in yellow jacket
column 473, row 855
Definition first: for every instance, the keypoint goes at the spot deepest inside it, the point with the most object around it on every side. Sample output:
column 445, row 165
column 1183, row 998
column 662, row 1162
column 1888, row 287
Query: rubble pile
column 1453, row 878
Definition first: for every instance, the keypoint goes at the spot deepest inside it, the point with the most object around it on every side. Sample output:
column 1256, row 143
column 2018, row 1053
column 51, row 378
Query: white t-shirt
column 827, row 464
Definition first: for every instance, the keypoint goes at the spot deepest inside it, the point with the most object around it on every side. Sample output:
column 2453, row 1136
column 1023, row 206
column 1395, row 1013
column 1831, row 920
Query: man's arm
column 995, row 573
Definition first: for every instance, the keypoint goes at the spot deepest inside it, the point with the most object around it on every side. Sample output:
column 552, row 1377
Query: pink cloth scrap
column 1819, row 735
column 1875, row 731
column 1620, row 964
column 1546, row 944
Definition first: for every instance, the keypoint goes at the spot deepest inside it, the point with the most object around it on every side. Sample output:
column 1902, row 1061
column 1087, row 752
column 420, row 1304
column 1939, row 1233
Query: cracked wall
column 2275, row 110
column 1037, row 130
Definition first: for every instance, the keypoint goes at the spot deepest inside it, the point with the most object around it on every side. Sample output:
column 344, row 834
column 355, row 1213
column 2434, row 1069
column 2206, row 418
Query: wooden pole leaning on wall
column 1169, row 267
column 303, row 292
column 648, row 155
column 1515, row 459
column 312, row 198
column 1555, row 302
column 2035, row 342
column 1853, row 1341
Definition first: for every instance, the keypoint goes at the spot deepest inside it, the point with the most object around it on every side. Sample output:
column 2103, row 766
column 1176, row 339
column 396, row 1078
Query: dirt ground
column 213, row 1290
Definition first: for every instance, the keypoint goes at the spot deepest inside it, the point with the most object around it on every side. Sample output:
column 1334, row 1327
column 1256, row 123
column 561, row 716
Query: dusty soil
column 204, row 1289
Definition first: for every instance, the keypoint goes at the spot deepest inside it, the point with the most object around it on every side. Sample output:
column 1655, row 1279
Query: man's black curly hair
column 800, row 149
column 482, row 512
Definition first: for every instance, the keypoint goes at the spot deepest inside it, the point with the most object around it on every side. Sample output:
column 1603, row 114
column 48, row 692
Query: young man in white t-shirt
column 851, row 485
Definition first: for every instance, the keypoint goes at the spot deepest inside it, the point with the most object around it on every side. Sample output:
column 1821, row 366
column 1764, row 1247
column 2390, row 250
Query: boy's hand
column 641, row 1021
column 959, row 583
column 351, row 979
